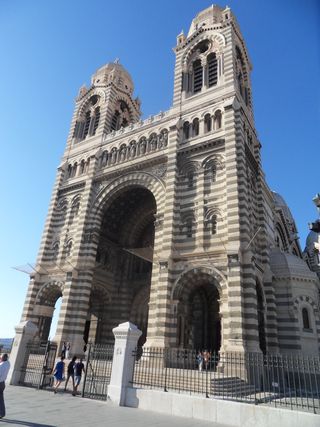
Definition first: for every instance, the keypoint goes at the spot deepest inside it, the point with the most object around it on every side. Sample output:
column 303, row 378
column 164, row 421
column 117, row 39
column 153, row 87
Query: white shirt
column 4, row 369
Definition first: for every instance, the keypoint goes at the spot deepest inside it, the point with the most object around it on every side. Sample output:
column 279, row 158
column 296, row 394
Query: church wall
column 215, row 213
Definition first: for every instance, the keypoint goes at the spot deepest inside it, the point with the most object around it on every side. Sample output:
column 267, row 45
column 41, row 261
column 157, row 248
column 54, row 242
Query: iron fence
column 38, row 364
column 289, row 381
column 98, row 371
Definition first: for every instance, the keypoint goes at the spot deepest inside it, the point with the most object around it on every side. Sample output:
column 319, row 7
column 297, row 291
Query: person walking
column 78, row 369
column 70, row 372
column 4, row 369
column 58, row 374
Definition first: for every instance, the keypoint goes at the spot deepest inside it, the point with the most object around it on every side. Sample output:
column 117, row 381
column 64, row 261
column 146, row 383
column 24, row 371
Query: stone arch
column 196, row 295
column 220, row 281
column 188, row 167
column 44, row 306
column 122, row 98
column 217, row 44
column 47, row 293
column 139, row 179
column 84, row 104
column 213, row 210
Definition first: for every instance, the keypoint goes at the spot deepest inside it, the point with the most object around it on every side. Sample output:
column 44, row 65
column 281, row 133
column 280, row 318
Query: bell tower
column 219, row 160
column 107, row 105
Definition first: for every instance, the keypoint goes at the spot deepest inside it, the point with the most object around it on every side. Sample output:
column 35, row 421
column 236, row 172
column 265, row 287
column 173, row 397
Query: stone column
column 25, row 331
column 126, row 339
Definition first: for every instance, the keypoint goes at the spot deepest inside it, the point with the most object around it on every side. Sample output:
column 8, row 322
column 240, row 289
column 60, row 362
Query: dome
column 207, row 17
column 116, row 73
column 280, row 203
column 312, row 238
column 286, row 265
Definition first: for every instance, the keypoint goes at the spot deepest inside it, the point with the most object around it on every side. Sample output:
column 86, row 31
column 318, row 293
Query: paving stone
column 39, row 408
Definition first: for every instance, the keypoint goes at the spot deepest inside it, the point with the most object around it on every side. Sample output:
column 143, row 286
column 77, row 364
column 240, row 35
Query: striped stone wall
column 214, row 217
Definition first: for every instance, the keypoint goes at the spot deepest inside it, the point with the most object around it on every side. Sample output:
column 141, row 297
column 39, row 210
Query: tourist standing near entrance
column 63, row 349
column 206, row 358
column 78, row 369
column 70, row 372
column 68, row 350
column 4, row 369
column 200, row 360
column 58, row 374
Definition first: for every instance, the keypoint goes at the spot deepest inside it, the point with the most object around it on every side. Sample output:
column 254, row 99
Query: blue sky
column 49, row 49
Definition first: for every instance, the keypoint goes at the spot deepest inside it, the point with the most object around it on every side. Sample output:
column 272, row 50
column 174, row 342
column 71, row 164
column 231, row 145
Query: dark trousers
column 2, row 407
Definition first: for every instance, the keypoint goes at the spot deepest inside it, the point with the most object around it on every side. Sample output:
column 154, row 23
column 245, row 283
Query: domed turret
column 113, row 72
column 280, row 203
column 208, row 17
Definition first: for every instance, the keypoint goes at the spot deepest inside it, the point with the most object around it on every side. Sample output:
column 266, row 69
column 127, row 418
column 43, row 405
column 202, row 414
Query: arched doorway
column 48, row 302
column 198, row 312
column 123, row 262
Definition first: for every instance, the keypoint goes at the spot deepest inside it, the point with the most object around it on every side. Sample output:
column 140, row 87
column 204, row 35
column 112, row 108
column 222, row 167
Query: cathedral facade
column 168, row 222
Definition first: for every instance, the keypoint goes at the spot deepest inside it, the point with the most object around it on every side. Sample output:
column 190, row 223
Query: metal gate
column 98, row 371
column 38, row 364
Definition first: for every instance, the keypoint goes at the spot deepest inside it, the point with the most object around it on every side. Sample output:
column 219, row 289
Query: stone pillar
column 25, row 332
column 126, row 339
column 200, row 204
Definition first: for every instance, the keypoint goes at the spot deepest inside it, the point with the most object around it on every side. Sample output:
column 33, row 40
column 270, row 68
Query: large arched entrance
column 45, row 307
column 198, row 312
column 122, row 274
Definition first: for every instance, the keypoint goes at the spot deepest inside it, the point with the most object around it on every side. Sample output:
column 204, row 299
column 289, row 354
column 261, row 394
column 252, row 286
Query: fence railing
column 98, row 371
column 38, row 364
column 289, row 381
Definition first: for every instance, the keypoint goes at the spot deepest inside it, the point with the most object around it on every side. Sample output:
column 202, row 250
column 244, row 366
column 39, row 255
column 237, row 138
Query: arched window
column 96, row 119
column 214, row 224
column 207, row 123
column 89, row 120
column 186, row 132
column 115, row 121
column 190, row 180
column 121, row 116
column 74, row 169
column 212, row 70
column 305, row 318
column 217, row 120
column 213, row 173
column 195, row 127
column 189, row 228
column 68, row 248
column 69, row 173
column 197, row 76
column 86, row 124
column 82, row 167
column 55, row 250
column 242, row 76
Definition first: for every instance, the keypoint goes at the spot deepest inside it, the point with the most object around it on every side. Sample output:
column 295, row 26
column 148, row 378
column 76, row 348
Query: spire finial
column 117, row 61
